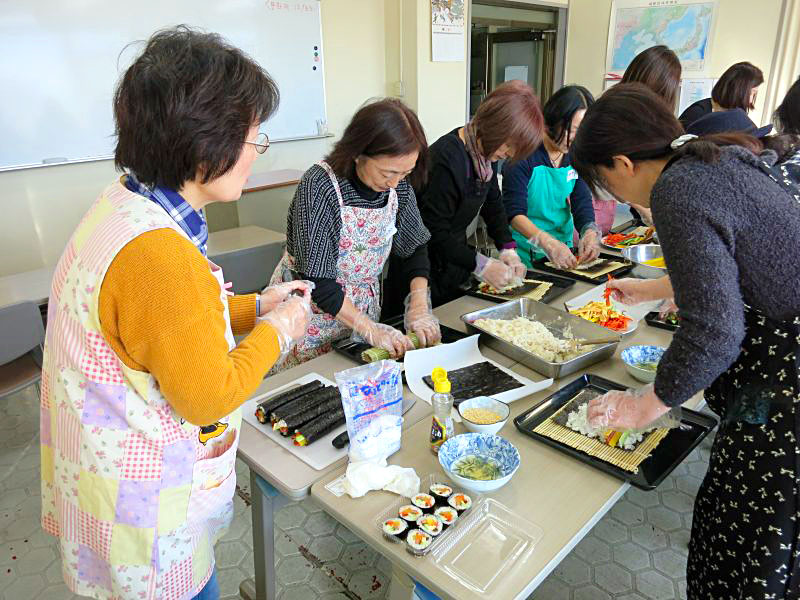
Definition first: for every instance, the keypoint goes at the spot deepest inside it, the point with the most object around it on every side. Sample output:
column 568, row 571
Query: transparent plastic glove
column 632, row 410
column 419, row 318
column 494, row 272
column 511, row 258
column 273, row 295
column 290, row 320
column 589, row 244
column 632, row 291
column 383, row 336
column 646, row 214
column 667, row 307
column 557, row 252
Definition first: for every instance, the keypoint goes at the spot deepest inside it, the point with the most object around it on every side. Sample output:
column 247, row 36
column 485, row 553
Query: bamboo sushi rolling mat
column 536, row 293
column 628, row 460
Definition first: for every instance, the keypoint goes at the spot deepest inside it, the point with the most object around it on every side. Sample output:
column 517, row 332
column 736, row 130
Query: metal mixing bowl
column 639, row 254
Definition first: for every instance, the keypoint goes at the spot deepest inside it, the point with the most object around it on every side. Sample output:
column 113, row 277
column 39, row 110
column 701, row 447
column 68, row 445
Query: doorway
column 515, row 40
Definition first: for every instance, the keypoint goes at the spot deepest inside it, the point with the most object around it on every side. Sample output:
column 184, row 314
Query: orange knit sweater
column 160, row 311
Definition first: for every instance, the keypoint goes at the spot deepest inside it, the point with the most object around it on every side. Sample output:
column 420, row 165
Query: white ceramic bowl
column 480, row 444
column 500, row 408
column 635, row 355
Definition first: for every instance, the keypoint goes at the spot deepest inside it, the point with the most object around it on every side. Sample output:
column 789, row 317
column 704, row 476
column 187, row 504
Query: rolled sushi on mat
column 371, row 355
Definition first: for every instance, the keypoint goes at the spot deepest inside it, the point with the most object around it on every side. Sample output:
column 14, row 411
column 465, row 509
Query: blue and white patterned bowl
column 481, row 444
column 635, row 355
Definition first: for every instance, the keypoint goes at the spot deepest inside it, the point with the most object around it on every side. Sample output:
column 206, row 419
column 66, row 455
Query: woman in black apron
column 728, row 222
column 462, row 184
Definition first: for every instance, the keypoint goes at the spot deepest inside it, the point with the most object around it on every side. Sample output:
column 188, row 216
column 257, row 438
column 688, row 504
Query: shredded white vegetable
column 531, row 336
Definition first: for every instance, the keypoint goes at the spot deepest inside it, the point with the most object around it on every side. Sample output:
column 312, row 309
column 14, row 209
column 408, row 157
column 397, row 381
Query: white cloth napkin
column 365, row 476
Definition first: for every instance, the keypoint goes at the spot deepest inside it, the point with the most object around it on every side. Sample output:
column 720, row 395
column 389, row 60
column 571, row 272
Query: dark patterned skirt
column 745, row 542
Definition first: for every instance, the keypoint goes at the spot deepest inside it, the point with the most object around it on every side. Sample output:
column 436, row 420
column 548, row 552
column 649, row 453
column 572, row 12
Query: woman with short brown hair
column 349, row 213
column 659, row 68
column 736, row 88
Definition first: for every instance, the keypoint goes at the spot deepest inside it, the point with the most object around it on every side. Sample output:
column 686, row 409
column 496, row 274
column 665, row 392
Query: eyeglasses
column 261, row 143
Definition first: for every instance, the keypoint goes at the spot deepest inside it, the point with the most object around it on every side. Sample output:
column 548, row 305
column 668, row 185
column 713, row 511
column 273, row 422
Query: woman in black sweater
column 736, row 276
column 462, row 184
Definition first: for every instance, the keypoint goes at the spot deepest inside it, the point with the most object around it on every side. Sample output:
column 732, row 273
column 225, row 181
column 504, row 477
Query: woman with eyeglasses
column 351, row 211
column 142, row 380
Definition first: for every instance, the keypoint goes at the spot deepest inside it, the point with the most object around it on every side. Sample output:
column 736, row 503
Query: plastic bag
column 372, row 397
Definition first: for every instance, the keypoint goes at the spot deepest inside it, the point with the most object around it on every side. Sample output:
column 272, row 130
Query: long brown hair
column 650, row 128
column 381, row 127
column 733, row 88
column 511, row 113
column 659, row 68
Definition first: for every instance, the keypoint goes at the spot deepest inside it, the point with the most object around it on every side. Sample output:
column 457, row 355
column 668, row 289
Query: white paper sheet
column 637, row 313
column 462, row 353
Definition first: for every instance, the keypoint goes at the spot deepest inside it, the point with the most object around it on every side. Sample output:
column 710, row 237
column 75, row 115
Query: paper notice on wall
column 693, row 90
column 447, row 30
column 516, row 72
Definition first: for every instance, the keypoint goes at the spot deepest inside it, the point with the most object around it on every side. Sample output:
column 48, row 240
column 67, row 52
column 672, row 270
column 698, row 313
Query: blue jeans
column 211, row 589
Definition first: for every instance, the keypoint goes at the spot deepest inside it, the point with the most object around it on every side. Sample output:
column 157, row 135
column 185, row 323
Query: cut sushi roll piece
column 394, row 529
column 460, row 502
column 447, row 515
column 441, row 493
column 410, row 513
column 426, row 502
column 418, row 542
column 430, row 524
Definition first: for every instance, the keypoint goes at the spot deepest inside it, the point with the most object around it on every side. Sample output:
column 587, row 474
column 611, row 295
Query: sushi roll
column 394, row 529
column 460, row 502
column 425, row 502
column 440, row 493
column 418, row 542
column 410, row 513
column 447, row 515
column 430, row 524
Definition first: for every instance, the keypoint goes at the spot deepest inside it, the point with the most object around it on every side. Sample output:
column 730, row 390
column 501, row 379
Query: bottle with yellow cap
column 442, row 402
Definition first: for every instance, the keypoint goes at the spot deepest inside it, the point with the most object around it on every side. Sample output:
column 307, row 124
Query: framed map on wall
column 685, row 26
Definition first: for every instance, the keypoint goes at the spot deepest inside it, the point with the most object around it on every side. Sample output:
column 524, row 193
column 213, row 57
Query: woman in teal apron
column 545, row 200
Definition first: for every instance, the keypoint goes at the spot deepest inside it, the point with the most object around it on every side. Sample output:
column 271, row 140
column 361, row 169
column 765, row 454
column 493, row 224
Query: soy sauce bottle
column 442, row 402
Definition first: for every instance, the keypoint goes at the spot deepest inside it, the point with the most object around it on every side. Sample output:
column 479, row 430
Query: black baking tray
column 560, row 285
column 654, row 320
column 669, row 453
column 623, row 270
column 353, row 350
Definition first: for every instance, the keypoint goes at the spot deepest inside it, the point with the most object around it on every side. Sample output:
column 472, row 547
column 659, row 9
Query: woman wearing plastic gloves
column 740, row 325
column 142, row 380
column 544, row 197
column 350, row 212
column 463, row 184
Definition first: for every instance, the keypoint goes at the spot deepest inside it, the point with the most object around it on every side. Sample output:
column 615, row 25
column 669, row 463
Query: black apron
column 745, row 541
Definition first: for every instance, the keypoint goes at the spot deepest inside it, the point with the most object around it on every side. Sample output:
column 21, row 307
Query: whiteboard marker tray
column 491, row 544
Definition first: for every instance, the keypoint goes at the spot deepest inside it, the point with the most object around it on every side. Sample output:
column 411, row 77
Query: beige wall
column 744, row 30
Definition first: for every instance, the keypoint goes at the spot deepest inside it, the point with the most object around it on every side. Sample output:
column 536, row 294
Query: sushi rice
column 447, row 515
column 578, row 421
column 394, row 529
column 460, row 502
column 441, row 492
column 418, row 542
column 425, row 502
column 430, row 524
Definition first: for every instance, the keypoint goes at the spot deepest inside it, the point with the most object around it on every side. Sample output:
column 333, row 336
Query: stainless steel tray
column 560, row 323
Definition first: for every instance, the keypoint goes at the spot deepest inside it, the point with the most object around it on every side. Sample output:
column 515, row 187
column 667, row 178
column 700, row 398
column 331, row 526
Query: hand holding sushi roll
column 419, row 317
column 632, row 410
column 271, row 296
column 380, row 335
column 290, row 319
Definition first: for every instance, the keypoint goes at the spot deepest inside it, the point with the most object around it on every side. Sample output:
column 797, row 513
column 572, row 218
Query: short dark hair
column 510, row 113
column 659, row 68
column 184, row 107
column 384, row 126
column 732, row 89
column 649, row 129
column 561, row 108
column 787, row 115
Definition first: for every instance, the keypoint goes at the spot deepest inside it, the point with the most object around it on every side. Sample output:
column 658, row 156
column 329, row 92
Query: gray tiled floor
column 637, row 551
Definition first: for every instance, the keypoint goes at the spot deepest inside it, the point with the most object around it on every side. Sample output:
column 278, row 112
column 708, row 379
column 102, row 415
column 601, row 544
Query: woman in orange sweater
column 142, row 379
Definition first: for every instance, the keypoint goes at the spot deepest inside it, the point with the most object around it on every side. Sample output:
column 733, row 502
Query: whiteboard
column 61, row 60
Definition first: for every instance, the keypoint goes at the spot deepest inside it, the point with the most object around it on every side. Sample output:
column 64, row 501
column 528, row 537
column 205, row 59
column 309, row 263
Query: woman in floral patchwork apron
column 728, row 222
column 142, row 380
column 545, row 199
column 350, row 212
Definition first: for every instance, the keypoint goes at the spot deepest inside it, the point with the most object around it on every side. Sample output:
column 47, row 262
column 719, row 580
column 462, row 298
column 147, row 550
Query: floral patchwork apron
column 365, row 242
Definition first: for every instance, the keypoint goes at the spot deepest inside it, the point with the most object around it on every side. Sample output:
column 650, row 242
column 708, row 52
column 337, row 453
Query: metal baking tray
column 623, row 270
column 560, row 323
column 654, row 320
column 560, row 285
column 669, row 453
column 353, row 350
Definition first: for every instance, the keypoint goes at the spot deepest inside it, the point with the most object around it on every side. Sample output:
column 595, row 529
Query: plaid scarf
column 188, row 219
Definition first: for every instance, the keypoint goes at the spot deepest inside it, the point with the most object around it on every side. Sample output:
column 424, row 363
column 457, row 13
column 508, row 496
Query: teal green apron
column 548, row 208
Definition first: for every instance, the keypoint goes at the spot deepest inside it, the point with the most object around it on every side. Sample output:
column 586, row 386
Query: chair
column 21, row 339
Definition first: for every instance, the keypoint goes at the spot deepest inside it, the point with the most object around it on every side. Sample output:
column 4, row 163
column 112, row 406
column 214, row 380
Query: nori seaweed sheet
column 304, row 402
column 298, row 419
column 271, row 404
column 322, row 425
column 480, row 379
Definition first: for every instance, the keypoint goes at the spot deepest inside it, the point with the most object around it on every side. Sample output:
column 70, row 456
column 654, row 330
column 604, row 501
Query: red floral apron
column 365, row 242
